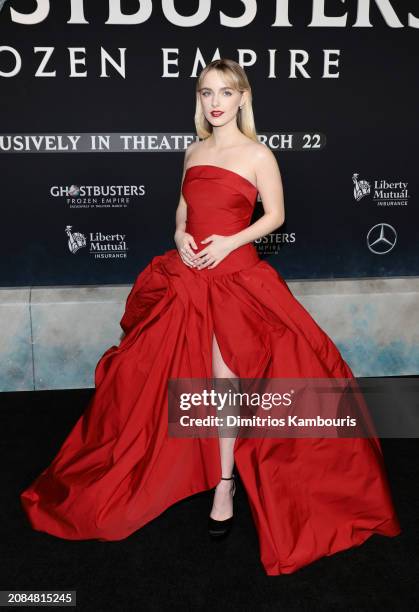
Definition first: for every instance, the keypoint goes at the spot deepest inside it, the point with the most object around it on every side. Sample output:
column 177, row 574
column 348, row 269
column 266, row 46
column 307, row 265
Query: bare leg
column 223, row 501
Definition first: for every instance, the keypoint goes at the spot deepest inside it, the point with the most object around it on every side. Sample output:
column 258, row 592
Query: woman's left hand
column 214, row 253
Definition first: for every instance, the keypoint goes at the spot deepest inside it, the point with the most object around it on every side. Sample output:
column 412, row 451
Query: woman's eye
column 204, row 93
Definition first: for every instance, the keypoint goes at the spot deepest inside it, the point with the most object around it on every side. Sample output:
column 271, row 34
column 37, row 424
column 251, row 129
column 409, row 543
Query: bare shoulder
column 264, row 163
column 191, row 150
column 262, row 155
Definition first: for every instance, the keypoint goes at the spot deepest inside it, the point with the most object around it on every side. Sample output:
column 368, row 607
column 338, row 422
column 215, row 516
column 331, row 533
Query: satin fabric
column 119, row 469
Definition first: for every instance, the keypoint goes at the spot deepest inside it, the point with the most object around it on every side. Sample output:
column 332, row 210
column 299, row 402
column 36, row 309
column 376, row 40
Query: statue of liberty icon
column 361, row 188
column 75, row 240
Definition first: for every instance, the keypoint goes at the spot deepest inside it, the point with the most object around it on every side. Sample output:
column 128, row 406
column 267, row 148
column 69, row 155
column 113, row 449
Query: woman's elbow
column 279, row 220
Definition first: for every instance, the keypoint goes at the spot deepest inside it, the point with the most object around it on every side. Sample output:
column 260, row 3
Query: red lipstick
column 217, row 113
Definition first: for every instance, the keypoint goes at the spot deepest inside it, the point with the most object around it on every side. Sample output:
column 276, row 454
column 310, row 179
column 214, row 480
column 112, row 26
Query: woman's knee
column 220, row 368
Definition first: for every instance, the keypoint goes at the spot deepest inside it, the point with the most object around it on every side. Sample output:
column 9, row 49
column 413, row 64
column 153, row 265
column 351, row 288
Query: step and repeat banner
column 97, row 101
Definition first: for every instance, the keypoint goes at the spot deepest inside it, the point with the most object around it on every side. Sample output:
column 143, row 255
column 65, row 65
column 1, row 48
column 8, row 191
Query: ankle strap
column 231, row 478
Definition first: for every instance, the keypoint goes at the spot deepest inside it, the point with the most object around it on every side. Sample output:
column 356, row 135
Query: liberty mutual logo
column 384, row 192
column 101, row 245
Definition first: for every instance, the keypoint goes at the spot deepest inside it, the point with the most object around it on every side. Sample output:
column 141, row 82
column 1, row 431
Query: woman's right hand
column 185, row 242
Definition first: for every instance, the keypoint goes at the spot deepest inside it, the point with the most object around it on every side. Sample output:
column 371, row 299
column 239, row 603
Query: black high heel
column 219, row 529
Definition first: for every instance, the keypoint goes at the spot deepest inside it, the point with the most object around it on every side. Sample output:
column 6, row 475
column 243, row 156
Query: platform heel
column 220, row 529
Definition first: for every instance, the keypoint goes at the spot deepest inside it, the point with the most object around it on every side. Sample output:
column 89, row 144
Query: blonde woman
column 211, row 308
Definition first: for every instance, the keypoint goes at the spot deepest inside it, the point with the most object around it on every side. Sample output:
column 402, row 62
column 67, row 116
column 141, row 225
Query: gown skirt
column 118, row 468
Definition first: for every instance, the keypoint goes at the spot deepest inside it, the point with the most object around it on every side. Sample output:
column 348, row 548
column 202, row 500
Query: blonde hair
column 235, row 77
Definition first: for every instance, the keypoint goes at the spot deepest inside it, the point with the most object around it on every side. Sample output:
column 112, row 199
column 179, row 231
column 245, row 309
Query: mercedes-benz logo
column 381, row 238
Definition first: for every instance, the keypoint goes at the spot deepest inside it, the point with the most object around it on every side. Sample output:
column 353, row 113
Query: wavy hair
column 236, row 78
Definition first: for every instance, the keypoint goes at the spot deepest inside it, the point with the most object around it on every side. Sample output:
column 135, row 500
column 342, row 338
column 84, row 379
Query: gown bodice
column 220, row 201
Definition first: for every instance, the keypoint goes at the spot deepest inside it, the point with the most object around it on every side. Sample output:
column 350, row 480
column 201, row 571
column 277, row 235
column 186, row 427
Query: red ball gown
column 118, row 468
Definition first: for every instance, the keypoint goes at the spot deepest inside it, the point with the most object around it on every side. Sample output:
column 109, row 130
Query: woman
column 229, row 146
column 213, row 308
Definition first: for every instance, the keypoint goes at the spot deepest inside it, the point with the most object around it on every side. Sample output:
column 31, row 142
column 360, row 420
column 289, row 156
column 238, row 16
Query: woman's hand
column 185, row 243
column 214, row 253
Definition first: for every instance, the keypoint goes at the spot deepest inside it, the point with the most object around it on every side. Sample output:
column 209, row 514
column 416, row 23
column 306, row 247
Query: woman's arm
column 181, row 215
column 181, row 211
column 269, row 184
column 182, row 208
column 184, row 241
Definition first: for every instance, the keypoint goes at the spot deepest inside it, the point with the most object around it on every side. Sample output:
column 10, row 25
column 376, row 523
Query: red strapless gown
column 118, row 469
